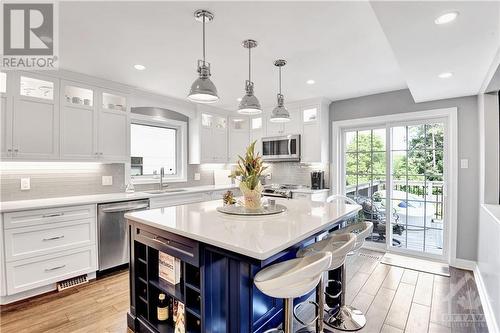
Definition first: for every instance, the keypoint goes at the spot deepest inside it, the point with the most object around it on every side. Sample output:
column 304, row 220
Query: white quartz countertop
column 11, row 206
column 259, row 237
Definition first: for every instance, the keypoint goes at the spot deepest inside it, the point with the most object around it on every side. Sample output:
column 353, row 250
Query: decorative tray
column 241, row 210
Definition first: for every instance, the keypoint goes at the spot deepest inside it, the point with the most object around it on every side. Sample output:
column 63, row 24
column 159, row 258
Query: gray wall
column 401, row 101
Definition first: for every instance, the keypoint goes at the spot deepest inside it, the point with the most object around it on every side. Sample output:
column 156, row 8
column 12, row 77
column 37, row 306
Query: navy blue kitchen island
column 220, row 255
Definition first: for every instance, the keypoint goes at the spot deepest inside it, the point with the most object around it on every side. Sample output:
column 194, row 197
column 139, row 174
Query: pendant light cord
column 249, row 64
column 280, row 79
column 204, row 17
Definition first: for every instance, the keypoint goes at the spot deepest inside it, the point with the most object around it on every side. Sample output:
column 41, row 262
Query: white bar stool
column 338, row 246
column 349, row 318
column 290, row 279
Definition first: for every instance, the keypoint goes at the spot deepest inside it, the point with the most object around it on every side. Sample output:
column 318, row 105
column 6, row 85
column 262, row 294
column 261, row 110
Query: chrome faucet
column 162, row 174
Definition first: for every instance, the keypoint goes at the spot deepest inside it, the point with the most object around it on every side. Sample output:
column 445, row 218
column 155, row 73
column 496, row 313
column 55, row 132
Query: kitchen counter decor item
column 263, row 210
column 248, row 172
column 228, row 198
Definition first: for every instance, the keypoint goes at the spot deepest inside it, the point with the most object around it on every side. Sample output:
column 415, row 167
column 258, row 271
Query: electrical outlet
column 197, row 176
column 25, row 184
column 107, row 180
column 464, row 163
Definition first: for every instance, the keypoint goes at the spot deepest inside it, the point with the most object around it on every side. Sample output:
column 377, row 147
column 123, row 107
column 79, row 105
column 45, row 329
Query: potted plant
column 248, row 172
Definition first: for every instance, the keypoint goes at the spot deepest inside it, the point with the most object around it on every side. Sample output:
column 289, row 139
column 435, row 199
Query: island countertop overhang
column 258, row 237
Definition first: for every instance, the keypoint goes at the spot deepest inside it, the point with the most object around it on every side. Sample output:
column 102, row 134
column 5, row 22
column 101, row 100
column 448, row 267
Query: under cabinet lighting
column 140, row 67
column 310, row 82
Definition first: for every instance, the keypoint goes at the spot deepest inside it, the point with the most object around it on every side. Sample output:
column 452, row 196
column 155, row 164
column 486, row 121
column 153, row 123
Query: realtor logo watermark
column 29, row 36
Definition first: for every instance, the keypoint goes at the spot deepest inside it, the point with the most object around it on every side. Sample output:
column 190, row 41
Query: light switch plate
column 25, row 184
column 107, row 180
column 464, row 163
column 197, row 176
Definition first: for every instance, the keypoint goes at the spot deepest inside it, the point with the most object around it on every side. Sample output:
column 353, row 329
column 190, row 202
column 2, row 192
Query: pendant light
column 203, row 89
column 280, row 113
column 249, row 103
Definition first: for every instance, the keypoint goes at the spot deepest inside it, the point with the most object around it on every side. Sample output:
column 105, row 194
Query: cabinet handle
column 100, row 154
column 53, row 215
column 53, row 238
column 54, row 268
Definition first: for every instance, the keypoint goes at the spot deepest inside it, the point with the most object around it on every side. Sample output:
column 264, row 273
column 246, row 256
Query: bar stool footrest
column 298, row 306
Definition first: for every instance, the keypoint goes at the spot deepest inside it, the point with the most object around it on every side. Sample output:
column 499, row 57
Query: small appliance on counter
column 317, row 180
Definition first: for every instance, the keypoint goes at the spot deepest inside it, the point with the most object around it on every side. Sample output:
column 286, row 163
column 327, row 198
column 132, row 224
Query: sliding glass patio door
column 397, row 173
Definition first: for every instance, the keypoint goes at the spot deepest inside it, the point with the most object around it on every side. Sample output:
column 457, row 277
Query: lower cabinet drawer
column 22, row 243
column 32, row 273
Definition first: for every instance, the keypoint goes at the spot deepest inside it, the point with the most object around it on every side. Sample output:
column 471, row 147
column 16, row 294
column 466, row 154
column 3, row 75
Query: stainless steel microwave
column 281, row 148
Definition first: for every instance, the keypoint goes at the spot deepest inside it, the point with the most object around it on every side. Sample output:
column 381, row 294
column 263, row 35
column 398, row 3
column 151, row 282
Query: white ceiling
column 341, row 45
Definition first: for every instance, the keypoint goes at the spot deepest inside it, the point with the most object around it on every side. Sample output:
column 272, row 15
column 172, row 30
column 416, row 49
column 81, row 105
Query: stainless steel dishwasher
column 113, row 231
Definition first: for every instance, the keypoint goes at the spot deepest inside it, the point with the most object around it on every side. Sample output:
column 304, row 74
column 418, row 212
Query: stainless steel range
column 280, row 190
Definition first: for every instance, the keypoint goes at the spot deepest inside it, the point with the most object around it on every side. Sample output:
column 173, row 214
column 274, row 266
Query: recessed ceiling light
column 239, row 99
column 445, row 75
column 140, row 67
column 446, row 18
column 310, row 82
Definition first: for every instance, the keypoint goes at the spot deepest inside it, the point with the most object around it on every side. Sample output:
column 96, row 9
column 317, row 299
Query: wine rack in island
column 147, row 285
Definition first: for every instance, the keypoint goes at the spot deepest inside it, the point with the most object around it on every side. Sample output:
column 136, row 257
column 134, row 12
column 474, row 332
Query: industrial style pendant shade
column 203, row 89
column 280, row 113
column 249, row 103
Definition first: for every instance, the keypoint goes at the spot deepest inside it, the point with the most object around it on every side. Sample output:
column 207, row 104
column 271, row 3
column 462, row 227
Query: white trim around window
column 450, row 116
column 182, row 149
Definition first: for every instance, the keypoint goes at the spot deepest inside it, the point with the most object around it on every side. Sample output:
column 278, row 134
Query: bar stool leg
column 288, row 309
column 348, row 318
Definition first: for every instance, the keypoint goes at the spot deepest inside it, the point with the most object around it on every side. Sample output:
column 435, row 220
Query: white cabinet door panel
column 219, row 145
column 22, row 243
column 113, row 135
column 6, row 126
column 311, row 143
column 35, row 129
column 37, row 272
column 294, row 125
column 78, row 132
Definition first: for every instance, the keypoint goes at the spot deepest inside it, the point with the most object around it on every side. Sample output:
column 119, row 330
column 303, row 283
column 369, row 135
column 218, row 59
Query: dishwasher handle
column 124, row 207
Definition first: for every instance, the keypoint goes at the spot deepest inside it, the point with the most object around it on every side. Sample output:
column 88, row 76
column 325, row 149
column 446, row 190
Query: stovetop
column 281, row 190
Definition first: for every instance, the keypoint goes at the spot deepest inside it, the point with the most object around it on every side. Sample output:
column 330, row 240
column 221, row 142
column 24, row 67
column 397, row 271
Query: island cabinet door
column 232, row 303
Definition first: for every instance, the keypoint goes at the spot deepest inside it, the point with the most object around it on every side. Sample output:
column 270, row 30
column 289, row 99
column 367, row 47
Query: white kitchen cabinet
column 208, row 136
column 257, row 131
column 177, row 199
column 78, row 125
column 239, row 137
column 35, row 117
column 113, row 142
column 314, row 118
column 44, row 246
column 5, row 117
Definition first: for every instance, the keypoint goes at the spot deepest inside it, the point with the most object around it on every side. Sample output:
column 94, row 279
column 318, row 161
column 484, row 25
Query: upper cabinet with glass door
column 35, row 117
column 208, row 135
column 314, row 118
column 78, row 134
column 113, row 127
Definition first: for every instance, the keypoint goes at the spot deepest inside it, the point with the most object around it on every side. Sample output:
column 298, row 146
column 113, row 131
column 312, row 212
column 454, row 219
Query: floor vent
column 371, row 256
column 73, row 282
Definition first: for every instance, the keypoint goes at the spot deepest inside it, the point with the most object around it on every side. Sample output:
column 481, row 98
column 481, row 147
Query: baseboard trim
column 464, row 264
column 485, row 301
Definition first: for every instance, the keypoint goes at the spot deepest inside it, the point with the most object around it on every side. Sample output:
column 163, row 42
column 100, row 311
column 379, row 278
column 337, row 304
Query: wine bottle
column 162, row 308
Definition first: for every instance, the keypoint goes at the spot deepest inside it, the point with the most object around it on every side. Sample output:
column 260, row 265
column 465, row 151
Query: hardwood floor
column 394, row 300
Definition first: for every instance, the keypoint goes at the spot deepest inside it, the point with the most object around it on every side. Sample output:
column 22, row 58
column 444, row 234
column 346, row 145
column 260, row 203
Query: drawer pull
column 166, row 243
column 54, row 268
column 53, row 215
column 53, row 238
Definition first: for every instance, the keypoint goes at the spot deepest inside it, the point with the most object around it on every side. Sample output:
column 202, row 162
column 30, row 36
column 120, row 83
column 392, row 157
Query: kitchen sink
column 168, row 190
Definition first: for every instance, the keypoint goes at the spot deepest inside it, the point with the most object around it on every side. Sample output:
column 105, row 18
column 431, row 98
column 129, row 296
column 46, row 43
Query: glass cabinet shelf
column 36, row 88
column 114, row 102
column 206, row 120
column 79, row 96
column 3, row 82
column 239, row 123
column 220, row 122
column 310, row 115
column 257, row 123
